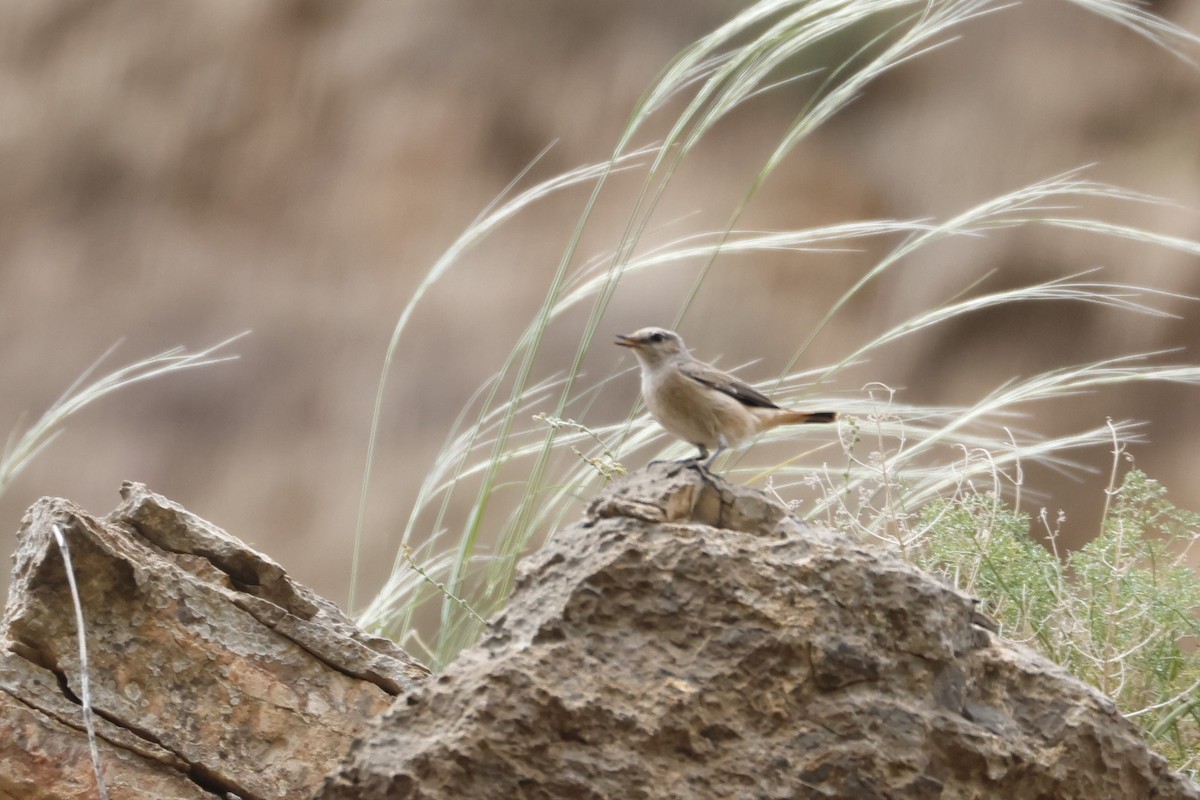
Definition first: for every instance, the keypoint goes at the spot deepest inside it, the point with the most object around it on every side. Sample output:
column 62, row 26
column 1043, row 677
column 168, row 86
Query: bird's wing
column 726, row 383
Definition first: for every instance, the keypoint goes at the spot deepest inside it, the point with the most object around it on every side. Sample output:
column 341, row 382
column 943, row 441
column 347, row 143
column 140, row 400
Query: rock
column 690, row 639
column 212, row 672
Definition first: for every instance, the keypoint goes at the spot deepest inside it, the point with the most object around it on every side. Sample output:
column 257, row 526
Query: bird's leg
column 720, row 448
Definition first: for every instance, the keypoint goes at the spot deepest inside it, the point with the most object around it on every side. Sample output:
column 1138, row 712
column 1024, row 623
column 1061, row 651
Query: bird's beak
column 626, row 341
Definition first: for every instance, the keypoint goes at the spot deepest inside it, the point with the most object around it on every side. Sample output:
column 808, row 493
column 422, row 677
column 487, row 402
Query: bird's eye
column 657, row 338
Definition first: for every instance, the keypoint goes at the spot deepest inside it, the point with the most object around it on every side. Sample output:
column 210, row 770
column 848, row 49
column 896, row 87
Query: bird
column 698, row 403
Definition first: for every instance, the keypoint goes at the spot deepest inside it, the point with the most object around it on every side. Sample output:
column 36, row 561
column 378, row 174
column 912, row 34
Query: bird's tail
column 803, row 417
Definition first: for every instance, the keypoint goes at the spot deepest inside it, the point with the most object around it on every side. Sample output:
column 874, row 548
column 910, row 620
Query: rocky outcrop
column 687, row 639
column 690, row 639
column 213, row 674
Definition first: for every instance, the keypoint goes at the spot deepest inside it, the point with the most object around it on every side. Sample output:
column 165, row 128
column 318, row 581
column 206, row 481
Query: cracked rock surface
column 690, row 639
column 213, row 674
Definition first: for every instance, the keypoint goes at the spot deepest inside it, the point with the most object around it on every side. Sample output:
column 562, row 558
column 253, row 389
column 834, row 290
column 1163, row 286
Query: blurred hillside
column 178, row 173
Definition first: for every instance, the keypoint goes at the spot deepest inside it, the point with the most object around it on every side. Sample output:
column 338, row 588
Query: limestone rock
column 212, row 672
column 690, row 639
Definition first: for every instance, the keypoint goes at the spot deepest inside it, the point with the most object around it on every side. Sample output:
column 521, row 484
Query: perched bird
column 700, row 404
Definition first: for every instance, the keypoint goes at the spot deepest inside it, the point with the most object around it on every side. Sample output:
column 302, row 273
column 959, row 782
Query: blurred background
column 178, row 173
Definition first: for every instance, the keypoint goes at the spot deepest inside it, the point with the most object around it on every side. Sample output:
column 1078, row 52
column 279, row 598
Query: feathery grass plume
column 522, row 477
column 494, row 216
column 18, row 452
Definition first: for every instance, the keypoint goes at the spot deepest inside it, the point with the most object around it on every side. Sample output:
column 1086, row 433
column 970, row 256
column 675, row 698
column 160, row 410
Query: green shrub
column 1119, row 613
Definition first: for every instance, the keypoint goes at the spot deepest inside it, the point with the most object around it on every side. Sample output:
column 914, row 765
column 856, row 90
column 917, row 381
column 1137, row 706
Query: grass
column 20, row 450
column 939, row 484
column 519, row 476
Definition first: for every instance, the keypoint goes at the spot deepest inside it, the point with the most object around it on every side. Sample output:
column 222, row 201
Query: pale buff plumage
column 700, row 404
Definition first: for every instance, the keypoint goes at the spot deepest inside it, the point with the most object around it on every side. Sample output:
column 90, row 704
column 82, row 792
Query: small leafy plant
column 1119, row 613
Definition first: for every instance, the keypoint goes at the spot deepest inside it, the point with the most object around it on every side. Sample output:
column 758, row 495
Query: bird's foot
column 702, row 466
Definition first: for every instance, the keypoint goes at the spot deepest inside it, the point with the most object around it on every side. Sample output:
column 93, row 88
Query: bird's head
column 653, row 346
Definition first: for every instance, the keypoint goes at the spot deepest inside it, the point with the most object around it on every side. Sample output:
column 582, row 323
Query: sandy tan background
column 176, row 173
